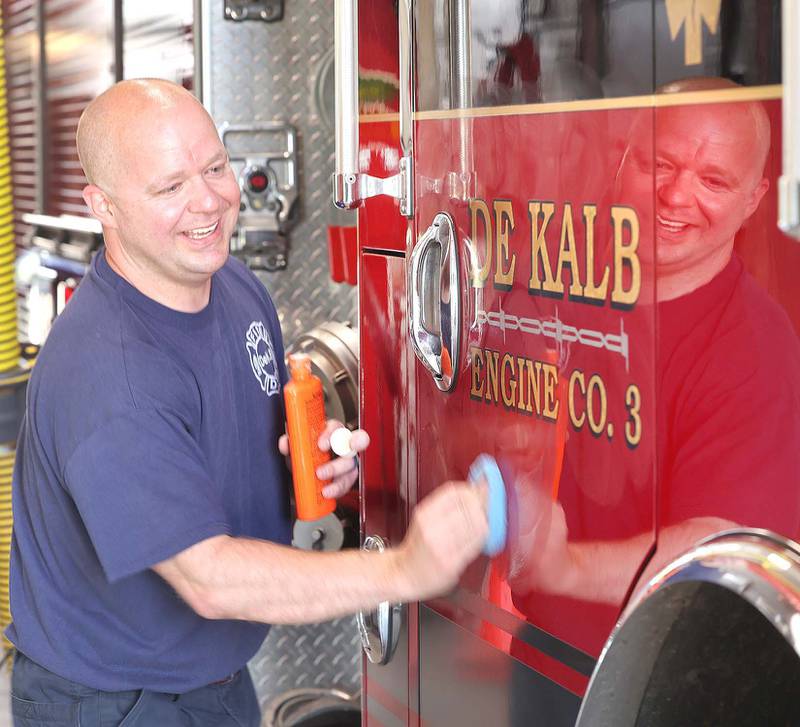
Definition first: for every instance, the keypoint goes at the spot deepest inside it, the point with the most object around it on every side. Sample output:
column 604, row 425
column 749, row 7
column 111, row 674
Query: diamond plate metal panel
column 326, row 655
column 264, row 72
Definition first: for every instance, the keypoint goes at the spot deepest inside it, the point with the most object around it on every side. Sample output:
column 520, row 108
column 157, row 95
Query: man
column 727, row 374
column 150, row 546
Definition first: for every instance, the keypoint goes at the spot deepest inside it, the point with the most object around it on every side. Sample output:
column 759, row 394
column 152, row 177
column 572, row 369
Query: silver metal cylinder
column 346, row 85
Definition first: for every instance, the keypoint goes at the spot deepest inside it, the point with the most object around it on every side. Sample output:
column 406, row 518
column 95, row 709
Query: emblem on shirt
column 262, row 357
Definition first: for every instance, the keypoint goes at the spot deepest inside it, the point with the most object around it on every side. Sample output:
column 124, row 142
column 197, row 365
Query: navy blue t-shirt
column 147, row 430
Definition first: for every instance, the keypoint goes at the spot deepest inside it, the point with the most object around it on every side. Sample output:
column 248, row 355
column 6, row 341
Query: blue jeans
column 40, row 698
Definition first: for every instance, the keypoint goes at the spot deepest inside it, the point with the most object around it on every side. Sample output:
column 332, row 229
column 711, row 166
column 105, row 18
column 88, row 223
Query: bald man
column 150, row 504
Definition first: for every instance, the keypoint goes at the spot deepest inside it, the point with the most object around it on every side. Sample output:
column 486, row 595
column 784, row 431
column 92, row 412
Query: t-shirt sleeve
column 143, row 490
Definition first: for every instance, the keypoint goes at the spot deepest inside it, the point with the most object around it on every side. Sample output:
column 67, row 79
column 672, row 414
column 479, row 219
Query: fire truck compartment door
column 435, row 300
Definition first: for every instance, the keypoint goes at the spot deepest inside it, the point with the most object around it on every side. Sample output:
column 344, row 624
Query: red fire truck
column 575, row 225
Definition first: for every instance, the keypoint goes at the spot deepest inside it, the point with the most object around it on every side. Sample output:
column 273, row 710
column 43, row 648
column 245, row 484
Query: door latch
column 267, row 10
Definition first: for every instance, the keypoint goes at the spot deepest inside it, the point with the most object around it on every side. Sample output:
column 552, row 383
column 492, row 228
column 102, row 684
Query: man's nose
column 676, row 190
column 204, row 197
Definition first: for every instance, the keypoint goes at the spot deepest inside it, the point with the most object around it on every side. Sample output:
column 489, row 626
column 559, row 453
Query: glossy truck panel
column 626, row 344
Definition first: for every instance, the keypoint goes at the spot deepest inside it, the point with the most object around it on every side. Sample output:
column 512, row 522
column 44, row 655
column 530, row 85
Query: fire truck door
column 384, row 502
column 532, row 319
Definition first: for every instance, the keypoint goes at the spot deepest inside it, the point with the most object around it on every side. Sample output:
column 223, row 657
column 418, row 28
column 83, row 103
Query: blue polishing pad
column 485, row 467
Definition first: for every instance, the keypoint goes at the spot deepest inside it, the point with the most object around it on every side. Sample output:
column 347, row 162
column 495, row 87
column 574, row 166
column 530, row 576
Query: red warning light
column 257, row 182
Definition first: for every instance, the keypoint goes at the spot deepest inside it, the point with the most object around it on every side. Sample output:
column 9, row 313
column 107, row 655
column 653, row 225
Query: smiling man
column 150, row 502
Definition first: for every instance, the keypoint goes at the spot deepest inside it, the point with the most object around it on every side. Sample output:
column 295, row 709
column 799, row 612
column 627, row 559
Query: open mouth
column 671, row 225
column 201, row 233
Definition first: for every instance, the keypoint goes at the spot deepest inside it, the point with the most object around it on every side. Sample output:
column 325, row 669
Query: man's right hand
column 447, row 532
column 226, row 577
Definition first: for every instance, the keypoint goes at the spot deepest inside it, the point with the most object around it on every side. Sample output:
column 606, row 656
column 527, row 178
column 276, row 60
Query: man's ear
column 99, row 205
column 756, row 196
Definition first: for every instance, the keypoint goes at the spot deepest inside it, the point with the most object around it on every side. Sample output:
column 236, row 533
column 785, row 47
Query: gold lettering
column 590, row 290
column 520, row 378
column 550, row 399
column 507, row 376
column 534, row 390
column 504, row 224
column 625, row 255
column 539, row 247
column 492, row 379
column 476, row 356
column 479, row 274
column 577, row 421
column 567, row 255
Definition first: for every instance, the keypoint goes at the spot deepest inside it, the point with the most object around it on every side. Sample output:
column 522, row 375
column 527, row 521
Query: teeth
column 671, row 224
column 201, row 232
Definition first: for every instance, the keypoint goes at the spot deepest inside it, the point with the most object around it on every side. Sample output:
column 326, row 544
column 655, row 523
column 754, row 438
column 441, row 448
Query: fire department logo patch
column 262, row 357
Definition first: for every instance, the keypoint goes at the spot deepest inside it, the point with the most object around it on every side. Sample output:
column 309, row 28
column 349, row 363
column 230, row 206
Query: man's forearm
column 254, row 580
column 601, row 571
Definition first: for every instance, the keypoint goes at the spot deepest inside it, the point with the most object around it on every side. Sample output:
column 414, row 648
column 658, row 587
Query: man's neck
column 671, row 285
column 186, row 299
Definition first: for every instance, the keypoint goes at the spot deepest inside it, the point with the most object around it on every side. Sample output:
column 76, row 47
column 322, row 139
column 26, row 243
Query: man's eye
column 714, row 183
column 172, row 188
column 217, row 169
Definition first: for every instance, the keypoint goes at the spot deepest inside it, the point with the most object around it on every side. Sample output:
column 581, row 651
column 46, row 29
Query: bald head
column 754, row 110
column 108, row 124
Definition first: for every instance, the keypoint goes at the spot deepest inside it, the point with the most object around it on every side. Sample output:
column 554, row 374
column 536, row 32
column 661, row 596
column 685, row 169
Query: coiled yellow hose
column 9, row 345
column 11, row 375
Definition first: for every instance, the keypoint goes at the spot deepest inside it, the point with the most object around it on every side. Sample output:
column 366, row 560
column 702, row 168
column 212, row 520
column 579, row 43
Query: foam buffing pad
column 485, row 468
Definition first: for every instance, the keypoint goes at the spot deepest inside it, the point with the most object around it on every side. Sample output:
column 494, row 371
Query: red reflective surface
column 629, row 350
column 556, row 384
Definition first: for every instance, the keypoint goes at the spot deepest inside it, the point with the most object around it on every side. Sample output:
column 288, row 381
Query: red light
column 257, row 182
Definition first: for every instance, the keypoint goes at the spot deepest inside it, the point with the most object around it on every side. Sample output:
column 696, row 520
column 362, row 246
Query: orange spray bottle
column 316, row 528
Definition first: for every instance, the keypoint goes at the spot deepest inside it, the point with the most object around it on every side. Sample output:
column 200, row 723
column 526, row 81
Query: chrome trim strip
column 346, row 86
column 789, row 182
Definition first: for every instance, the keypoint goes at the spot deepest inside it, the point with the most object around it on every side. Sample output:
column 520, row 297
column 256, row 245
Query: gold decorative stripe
column 376, row 118
column 723, row 95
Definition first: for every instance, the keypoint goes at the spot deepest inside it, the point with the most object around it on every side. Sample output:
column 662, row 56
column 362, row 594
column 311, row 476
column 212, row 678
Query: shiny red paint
column 660, row 469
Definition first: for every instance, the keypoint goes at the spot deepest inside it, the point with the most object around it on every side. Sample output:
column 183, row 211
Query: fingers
column 331, row 426
column 448, row 531
column 455, row 514
column 359, row 440
column 343, row 473
column 283, row 445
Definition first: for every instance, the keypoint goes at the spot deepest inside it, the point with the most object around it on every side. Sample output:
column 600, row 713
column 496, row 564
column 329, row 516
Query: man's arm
column 254, row 580
column 542, row 559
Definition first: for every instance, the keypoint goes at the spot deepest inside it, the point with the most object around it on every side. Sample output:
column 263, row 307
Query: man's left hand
column 342, row 471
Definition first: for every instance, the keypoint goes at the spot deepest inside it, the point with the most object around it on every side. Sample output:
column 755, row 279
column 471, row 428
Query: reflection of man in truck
column 728, row 360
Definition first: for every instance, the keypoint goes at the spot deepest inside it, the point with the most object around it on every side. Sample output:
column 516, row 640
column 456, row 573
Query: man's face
column 176, row 199
column 707, row 179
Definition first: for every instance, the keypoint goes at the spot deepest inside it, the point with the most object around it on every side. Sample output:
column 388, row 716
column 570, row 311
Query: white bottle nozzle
column 340, row 442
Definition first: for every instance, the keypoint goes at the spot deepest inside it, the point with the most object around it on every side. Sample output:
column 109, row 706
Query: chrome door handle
column 435, row 309
column 379, row 629
column 789, row 183
column 350, row 186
